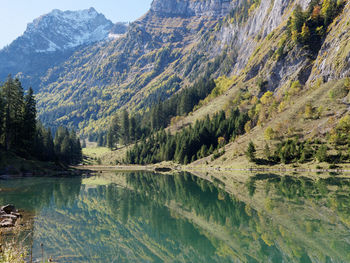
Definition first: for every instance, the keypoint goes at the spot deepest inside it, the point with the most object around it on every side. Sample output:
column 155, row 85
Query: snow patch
column 60, row 30
column 115, row 36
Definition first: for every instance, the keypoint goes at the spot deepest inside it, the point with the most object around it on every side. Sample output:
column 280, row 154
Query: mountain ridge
column 168, row 49
column 50, row 40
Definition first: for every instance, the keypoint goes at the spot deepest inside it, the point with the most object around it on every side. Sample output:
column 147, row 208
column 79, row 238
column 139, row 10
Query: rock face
column 169, row 48
column 60, row 30
column 187, row 8
column 8, row 216
column 49, row 40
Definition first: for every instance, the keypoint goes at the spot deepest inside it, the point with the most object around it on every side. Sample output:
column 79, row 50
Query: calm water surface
column 146, row 217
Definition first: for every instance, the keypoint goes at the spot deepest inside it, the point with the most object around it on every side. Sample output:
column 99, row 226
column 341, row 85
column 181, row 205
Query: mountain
column 252, row 45
column 49, row 40
column 167, row 49
column 162, row 52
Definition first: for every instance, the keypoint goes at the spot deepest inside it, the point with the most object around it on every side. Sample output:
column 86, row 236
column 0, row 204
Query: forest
column 206, row 137
column 23, row 135
column 128, row 128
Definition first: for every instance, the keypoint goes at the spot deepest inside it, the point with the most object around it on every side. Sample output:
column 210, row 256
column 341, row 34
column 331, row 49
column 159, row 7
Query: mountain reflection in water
column 147, row 217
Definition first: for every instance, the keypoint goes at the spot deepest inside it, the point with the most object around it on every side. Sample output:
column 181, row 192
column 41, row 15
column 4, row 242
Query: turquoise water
column 146, row 217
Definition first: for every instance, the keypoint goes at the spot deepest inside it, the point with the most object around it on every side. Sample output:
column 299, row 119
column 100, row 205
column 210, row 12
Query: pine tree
column 78, row 152
column 12, row 94
column 132, row 129
column 29, row 121
column 49, row 146
column 267, row 151
column 100, row 142
column 250, row 153
column 113, row 133
column 1, row 119
column 65, row 150
column 321, row 154
column 125, row 127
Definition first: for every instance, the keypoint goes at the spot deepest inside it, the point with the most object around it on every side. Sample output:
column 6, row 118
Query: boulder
column 7, row 216
column 8, row 209
column 7, row 223
column 18, row 215
column 163, row 169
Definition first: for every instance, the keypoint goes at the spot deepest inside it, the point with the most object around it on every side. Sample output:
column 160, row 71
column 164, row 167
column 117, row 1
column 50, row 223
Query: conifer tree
column 125, row 127
column 132, row 129
column 113, row 133
column 29, row 120
column 250, row 153
column 12, row 94
column 49, row 146
column 100, row 142
column 1, row 119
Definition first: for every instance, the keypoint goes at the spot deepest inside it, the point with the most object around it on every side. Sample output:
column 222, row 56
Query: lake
column 147, row 217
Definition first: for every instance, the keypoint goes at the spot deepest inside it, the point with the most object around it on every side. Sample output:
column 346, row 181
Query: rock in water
column 11, row 217
column 7, row 223
column 8, row 209
column 18, row 215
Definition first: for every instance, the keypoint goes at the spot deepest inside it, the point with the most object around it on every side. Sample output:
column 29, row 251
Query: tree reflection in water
column 183, row 218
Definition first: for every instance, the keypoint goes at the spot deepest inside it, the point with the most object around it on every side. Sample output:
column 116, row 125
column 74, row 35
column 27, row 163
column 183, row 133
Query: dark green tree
column 125, row 127
column 29, row 120
column 250, row 153
column 113, row 133
column 12, row 93
column 321, row 154
column 132, row 129
column 100, row 140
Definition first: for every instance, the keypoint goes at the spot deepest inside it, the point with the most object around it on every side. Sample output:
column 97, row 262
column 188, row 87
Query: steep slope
column 179, row 42
column 309, row 91
column 137, row 69
column 49, row 40
column 169, row 48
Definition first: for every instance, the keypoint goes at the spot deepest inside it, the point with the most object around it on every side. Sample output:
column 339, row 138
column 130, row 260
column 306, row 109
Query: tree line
column 333, row 149
column 22, row 134
column 206, row 137
column 126, row 128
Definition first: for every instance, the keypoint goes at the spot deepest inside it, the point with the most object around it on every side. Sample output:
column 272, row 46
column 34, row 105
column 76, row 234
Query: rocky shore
column 9, row 216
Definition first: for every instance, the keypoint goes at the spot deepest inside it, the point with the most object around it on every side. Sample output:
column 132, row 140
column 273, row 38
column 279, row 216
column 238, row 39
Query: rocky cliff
column 50, row 40
column 179, row 42
column 188, row 8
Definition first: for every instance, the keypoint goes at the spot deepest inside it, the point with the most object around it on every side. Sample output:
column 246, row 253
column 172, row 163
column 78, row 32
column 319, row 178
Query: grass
column 13, row 254
column 103, row 155
column 12, row 245
column 12, row 164
column 290, row 118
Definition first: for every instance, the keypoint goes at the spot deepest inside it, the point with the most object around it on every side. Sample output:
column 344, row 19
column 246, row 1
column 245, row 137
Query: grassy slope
column 11, row 164
column 102, row 155
column 292, row 117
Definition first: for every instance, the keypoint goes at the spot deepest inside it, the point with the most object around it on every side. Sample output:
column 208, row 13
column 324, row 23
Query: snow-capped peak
column 61, row 30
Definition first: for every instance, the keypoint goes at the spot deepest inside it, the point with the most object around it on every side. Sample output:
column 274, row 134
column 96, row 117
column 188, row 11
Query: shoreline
column 175, row 167
column 89, row 170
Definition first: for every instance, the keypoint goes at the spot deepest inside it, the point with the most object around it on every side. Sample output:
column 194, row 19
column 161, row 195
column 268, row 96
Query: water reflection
column 146, row 217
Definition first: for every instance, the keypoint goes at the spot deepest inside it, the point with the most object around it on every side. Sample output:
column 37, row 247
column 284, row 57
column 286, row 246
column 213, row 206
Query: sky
column 16, row 14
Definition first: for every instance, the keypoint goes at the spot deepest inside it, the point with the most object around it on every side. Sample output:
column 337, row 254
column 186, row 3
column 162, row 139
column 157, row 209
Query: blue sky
column 16, row 14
